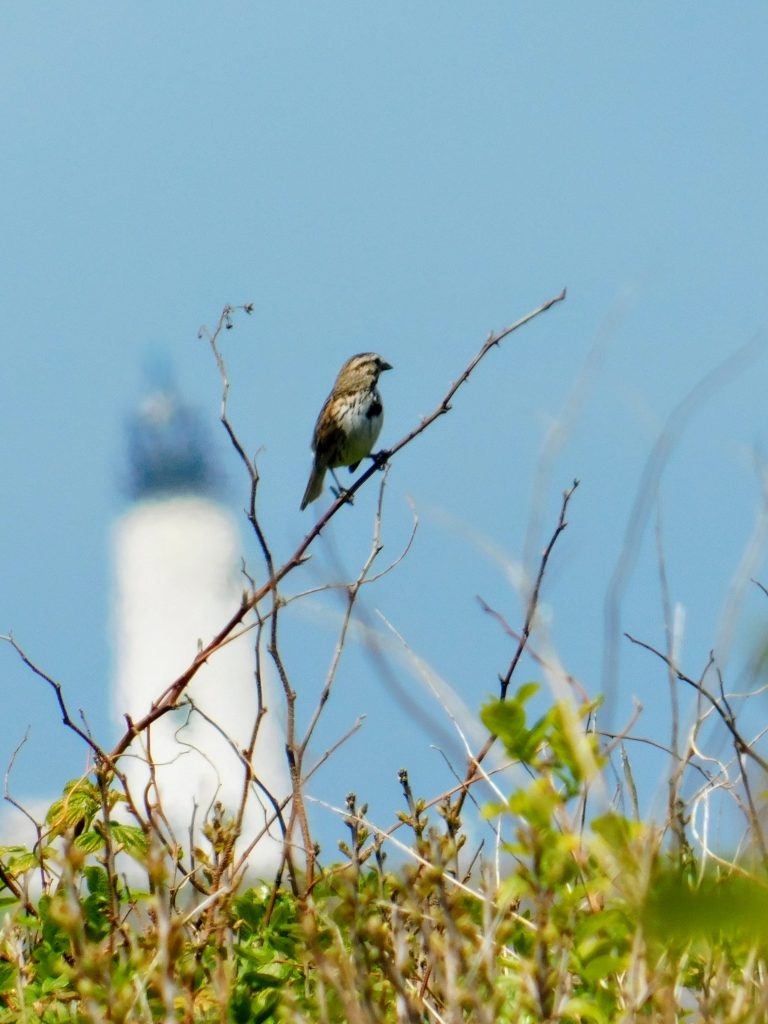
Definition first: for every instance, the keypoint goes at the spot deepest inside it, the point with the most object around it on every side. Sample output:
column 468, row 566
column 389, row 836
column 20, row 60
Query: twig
column 225, row 323
column 100, row 754
column 621, row 737
column 532, row 653
column 725, row 714
column 9, row 881
column 533, row 603
column 239, row 866
column 352, row 593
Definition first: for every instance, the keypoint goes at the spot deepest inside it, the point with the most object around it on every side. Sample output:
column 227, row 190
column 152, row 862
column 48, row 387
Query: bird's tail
column 315, row 485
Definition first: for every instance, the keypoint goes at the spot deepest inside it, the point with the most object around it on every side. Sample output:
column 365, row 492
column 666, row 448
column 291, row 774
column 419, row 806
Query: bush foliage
column 596, row 922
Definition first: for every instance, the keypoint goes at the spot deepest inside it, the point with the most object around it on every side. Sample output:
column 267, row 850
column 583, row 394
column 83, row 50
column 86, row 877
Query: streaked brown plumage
column 349, row 422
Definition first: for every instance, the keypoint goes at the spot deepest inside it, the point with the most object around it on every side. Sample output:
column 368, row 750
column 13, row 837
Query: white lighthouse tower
column 178, row 579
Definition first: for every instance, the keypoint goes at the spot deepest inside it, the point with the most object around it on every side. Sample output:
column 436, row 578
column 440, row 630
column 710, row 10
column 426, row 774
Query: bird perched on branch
column 349, row 422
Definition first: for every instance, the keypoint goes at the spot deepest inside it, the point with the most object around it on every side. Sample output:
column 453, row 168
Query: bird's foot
column 381, row 458
column 343, row 494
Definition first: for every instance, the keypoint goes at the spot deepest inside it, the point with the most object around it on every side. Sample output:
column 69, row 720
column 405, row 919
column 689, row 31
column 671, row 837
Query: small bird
column 349, row 422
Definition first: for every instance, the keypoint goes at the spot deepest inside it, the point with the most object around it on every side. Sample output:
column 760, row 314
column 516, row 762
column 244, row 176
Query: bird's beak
column 385, row 366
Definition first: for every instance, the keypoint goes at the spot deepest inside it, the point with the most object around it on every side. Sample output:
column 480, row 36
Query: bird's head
column 361, row 370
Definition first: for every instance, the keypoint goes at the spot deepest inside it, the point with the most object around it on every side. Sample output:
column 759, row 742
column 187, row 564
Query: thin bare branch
column 724, row 713
column 100, row 754
column 5, row 876
column 533, row 604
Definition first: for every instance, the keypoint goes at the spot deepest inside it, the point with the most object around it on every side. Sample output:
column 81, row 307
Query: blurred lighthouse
column 177, row 564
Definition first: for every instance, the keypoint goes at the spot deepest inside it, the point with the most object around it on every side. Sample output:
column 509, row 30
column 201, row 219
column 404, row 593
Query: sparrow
column 349, row 421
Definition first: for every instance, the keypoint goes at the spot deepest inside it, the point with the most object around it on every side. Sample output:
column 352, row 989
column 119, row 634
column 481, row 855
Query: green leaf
column 130, row 837
column 262, row 980
column 600, row 967
column 96, row 880
column 90, row 841
column 54, row 984
column 617, row 831
column 526, row 691
column 18, row 860
column 536, row 804
column 581, row 1008
column 81, row 802
column 507, row 720
column 7, row 977
column 732, row 906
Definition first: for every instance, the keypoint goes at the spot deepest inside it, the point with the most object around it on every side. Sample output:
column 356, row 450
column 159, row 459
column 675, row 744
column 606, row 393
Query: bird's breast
column 360, row 426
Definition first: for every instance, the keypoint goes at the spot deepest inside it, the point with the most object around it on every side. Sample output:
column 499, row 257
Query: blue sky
column 401, row 178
